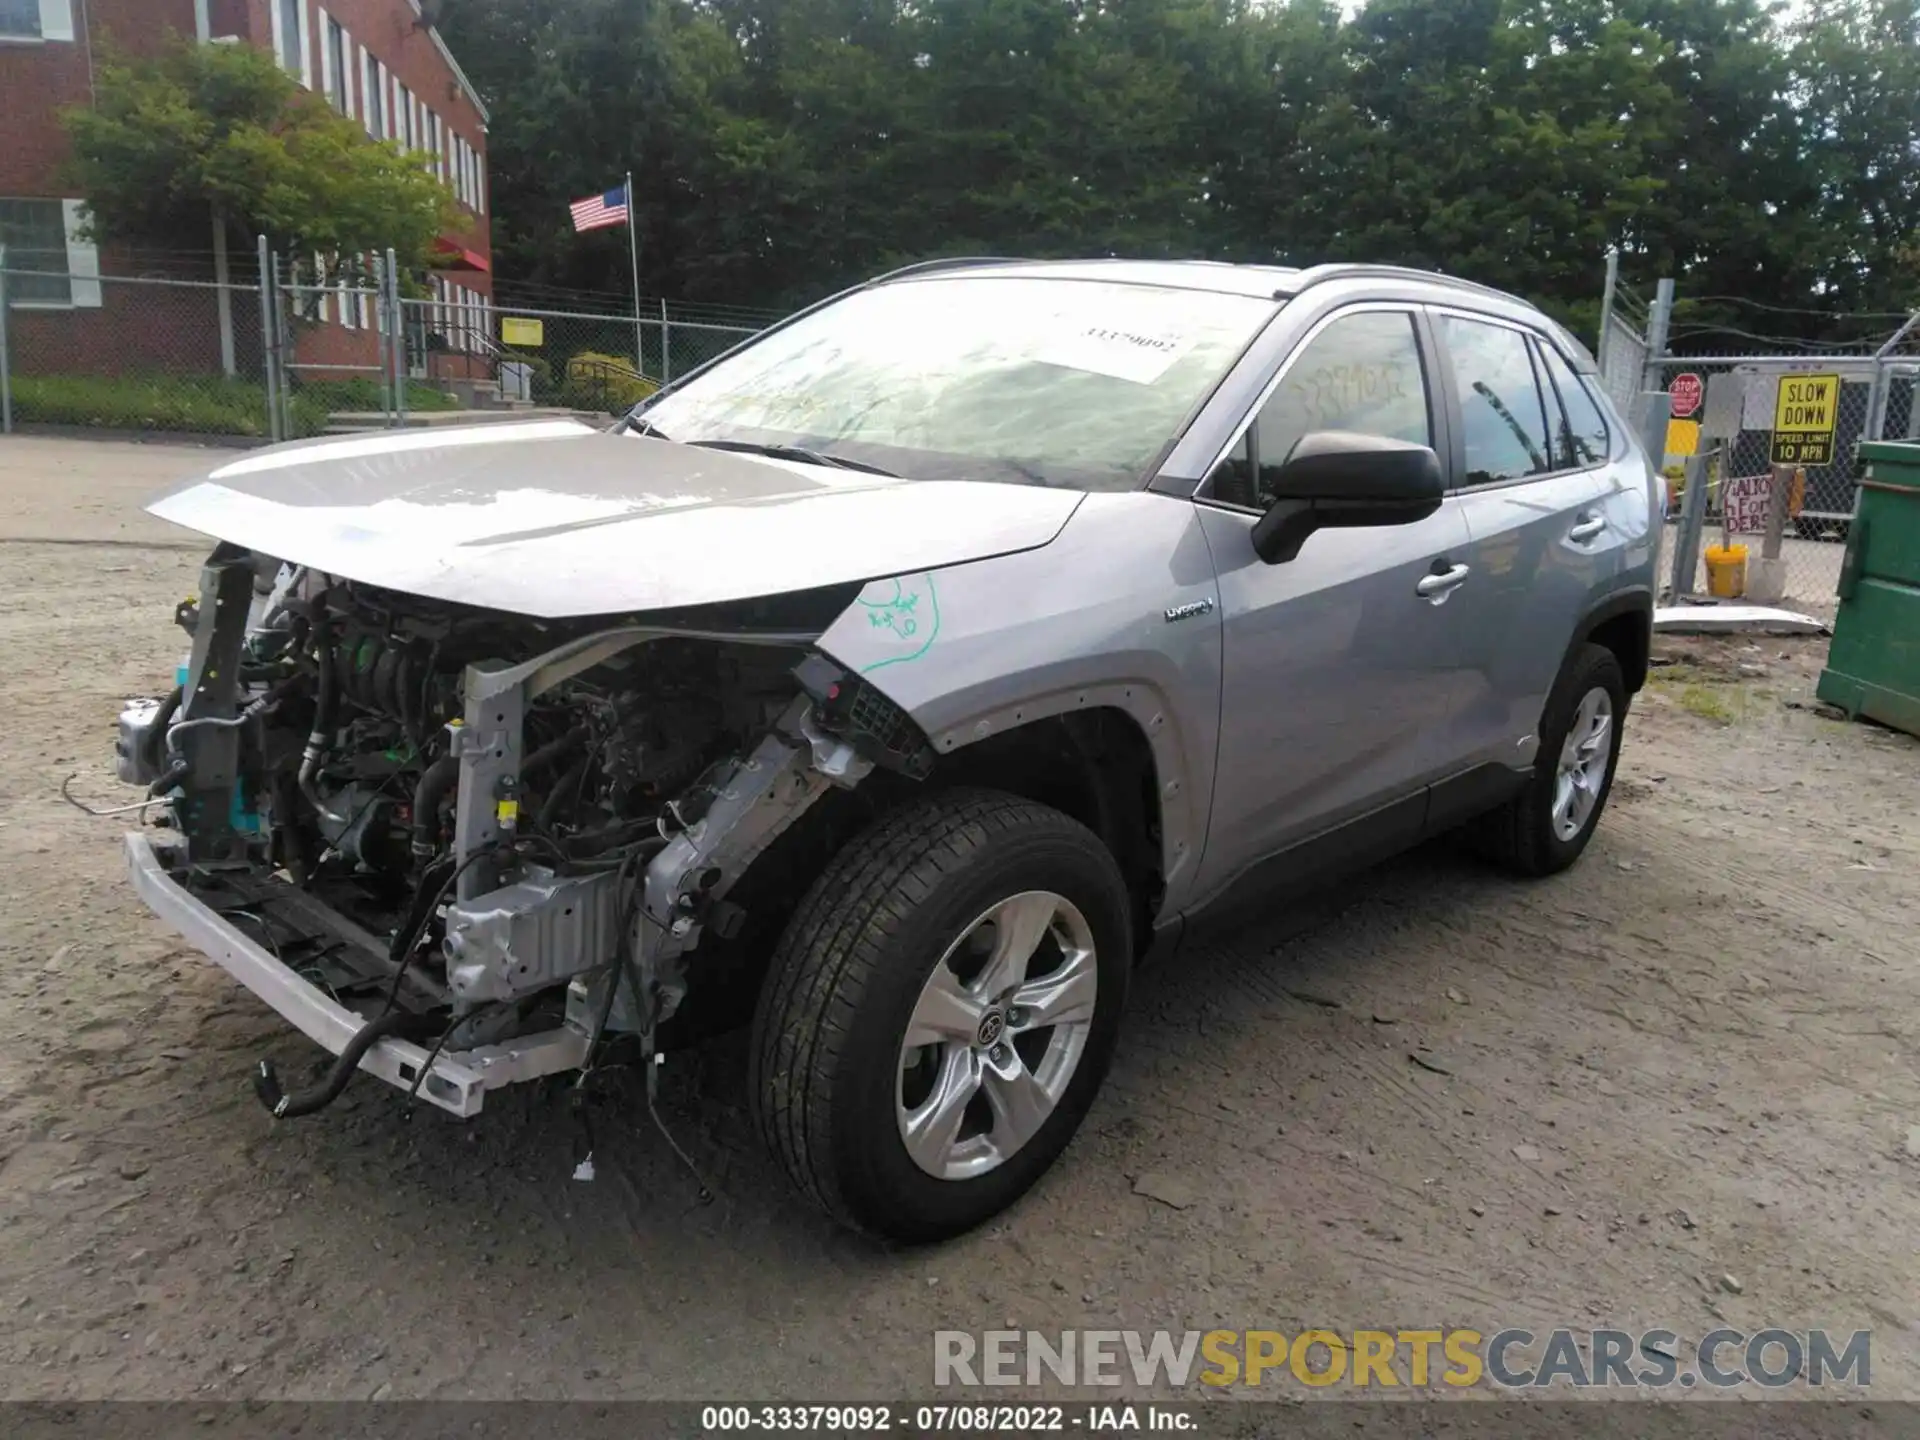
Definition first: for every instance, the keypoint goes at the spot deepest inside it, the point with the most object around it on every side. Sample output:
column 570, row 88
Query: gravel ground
column 1674, row 1087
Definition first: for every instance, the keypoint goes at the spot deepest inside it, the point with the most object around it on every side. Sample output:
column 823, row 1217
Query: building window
column 36, row 19
column 293, row 37
column 338, row 79
column 403, row 114
column 20, row 19
column 35, row 235
column 373, row 90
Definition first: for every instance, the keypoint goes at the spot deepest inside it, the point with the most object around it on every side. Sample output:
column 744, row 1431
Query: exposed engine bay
column 496, row 839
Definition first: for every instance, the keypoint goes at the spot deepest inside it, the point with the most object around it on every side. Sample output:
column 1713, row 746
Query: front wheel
column 940, row 1012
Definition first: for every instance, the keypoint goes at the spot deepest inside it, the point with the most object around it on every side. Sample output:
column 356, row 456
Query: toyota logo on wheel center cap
column 992, row 1027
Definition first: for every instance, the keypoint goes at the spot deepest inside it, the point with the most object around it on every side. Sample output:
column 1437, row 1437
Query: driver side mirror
column 1334, row 478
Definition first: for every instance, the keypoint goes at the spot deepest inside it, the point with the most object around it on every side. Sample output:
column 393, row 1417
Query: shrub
column 363, row 393
column 598, row 381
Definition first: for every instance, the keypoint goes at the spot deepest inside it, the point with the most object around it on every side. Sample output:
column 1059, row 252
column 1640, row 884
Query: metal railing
column 577, row 358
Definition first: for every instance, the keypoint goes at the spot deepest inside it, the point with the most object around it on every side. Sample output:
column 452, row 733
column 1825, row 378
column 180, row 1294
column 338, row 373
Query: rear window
column 1500, row 405
column 1580, row 431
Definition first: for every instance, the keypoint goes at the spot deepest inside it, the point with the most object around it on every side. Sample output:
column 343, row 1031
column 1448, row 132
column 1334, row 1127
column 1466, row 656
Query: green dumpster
column 1873, row 666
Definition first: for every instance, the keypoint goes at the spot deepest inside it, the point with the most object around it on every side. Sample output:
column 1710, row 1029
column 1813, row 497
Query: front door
column 1338, row 664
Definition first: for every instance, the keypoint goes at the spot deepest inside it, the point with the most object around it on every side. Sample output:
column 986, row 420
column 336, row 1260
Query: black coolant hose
column 266, row 1083
column 434, row 783
column 538, row 760
column 443, row 774
column 323, row 708
column 155, row 742
column 565, row 783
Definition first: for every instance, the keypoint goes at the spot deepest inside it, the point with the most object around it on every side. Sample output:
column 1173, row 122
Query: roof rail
column 1320, row 274
column 949, row 262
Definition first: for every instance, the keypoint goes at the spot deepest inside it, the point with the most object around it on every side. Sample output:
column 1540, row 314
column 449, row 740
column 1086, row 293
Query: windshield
column 1073, row 383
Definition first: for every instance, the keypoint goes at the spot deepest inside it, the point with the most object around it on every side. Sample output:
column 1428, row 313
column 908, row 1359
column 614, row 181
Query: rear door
column 1530, row 473
column 1338, row 665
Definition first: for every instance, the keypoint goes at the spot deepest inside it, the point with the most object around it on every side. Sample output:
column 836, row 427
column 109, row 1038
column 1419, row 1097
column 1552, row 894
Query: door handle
column 1587, row 528
column 1441, row 583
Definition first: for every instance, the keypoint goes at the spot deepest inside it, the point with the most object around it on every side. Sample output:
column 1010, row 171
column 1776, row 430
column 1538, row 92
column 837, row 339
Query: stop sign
column 1686, row 392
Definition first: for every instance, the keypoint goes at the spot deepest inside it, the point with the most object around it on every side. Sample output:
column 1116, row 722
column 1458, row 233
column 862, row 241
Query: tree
column 781, row 148
column 1856, row 91
column 222, row 130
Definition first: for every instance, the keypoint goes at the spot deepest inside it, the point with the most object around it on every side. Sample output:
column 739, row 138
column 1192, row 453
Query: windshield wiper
column 640, row 426
column 794, row 452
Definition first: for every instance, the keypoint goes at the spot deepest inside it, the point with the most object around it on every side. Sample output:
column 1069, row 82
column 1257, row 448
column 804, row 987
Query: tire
column 1524, row 835
column 831, row 1086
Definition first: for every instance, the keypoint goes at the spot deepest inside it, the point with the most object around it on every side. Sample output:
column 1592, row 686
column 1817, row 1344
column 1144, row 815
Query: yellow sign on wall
column 1804, row 409
column 517, row 330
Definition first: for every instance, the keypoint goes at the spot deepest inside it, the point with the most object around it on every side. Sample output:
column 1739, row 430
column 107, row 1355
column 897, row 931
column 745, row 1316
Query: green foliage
column 189, row 404
column 595, row 381
column 783, row 147
column 222, row 129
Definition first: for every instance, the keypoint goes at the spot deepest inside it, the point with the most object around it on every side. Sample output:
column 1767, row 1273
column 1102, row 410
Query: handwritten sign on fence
column 1743, row 499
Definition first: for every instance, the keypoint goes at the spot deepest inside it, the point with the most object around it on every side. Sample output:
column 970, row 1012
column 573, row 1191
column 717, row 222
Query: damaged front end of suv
column 460, row 848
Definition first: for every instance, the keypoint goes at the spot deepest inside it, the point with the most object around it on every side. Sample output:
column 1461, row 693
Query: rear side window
column 1502, row 413
column 1362, row 374
column 1580, row 430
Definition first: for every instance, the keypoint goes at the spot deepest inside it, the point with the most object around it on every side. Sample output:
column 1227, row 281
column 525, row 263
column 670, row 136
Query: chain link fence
column 1622, row 355
column 1761, row 453
column 302, row 351
column 1856, row 398
column 133, row 354
column 534, row 356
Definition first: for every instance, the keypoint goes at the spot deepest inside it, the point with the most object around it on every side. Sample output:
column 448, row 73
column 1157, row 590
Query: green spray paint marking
column 905, row 614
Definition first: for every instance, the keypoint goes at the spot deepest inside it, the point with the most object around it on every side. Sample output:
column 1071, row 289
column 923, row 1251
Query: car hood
column 554, row 518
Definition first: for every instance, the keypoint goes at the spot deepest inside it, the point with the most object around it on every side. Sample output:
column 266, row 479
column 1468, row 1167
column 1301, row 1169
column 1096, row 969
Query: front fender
column 1121, row 611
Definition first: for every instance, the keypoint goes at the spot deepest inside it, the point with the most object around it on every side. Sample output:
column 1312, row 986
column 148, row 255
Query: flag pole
column 633, row 250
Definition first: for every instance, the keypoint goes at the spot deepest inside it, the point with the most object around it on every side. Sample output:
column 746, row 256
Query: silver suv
column 892, row 684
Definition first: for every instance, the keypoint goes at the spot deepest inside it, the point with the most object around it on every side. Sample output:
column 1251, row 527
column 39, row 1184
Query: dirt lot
column 1673, row 1086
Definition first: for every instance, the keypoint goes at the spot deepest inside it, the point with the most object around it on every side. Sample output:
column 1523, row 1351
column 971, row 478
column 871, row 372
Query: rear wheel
column 940, row 1012
column 1545, row 827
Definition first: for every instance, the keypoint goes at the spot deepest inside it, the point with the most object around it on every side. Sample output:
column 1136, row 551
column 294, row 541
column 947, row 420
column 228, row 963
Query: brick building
column 377, row 61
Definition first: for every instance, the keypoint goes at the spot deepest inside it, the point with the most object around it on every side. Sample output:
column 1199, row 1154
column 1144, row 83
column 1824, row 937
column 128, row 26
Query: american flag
column 598, row 211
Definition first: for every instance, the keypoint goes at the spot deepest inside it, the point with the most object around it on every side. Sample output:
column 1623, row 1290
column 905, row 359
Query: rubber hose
column 435, row 781
column 171, row 776
column 386, row 698
column 563, row 785
column 156, row 737
column 266, row 1084
column 323, row 708
column 295, row 853
column 539, row 759
column 407, row 692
